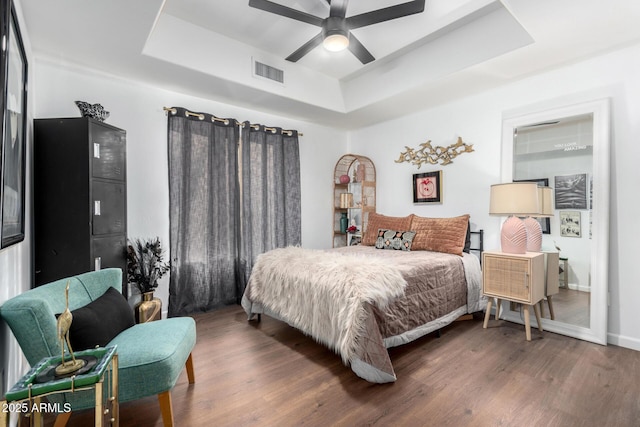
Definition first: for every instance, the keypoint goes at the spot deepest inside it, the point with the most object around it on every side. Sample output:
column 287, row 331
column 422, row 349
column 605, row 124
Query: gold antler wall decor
column 427, row 154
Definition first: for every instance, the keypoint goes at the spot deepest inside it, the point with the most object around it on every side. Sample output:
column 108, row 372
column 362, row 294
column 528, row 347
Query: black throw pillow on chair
column 98, row 322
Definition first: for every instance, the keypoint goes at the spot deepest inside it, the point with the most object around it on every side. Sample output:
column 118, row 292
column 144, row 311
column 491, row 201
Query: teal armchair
column 151, row 355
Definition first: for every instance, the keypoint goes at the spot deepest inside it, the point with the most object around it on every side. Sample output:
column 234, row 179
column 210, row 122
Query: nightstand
column 514, row 277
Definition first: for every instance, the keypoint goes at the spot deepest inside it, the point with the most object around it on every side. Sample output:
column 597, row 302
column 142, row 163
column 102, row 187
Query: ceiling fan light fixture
column 335, row 34
column 336, row 42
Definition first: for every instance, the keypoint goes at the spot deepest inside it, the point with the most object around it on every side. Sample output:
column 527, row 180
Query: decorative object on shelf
column 13, row 120
column 63, row 326
column 427, row 154
column 346, row 200
column 352, row 229
column 95, row 111
column 427, row 187
column 344, row 222
column 344, row 179
column 514, row 199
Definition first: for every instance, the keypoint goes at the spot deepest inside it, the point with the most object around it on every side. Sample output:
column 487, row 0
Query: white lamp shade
column 534, row 231
column 545, row 202
column 514, row 198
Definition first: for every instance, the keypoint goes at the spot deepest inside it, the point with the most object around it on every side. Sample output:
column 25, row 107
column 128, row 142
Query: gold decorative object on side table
column 64, row 324
column 427, row 154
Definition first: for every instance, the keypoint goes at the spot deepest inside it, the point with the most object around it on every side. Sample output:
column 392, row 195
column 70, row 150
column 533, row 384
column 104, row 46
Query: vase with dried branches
column 145, row 266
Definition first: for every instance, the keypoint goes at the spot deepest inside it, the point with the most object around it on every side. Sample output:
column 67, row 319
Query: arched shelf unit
column 354, row 198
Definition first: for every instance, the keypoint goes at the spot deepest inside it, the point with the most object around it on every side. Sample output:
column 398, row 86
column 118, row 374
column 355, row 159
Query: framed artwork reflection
column 571, row 191
column 427, row 187
column 13, row 108
column 570, row 224
column 545, row 223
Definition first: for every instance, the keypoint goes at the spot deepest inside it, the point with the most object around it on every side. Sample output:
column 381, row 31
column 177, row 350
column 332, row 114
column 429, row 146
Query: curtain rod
column 226, row 121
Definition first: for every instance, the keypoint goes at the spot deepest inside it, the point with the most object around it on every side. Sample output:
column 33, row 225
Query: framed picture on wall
column 545, row 223
column 571, row 191
column 13, row 108
column 570, row 224
column 427, row 187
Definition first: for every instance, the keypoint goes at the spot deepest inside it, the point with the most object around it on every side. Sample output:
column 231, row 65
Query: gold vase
column 149, row 309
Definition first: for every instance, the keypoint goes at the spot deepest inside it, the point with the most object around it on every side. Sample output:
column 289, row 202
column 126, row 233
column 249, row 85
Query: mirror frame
column 600, row 110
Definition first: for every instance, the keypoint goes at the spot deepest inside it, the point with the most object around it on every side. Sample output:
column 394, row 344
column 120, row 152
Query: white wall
column 478, row 120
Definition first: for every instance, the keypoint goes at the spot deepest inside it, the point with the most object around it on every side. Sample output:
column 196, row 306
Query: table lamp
column 514, row 199
column 534, row 231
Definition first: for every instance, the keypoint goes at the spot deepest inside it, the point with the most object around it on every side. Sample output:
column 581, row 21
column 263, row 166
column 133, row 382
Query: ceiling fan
column 336, row 28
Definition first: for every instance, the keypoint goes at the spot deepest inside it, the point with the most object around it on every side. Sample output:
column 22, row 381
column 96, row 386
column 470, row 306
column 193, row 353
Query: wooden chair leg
column 190, row 373
column 166, row 408
column 62, row 419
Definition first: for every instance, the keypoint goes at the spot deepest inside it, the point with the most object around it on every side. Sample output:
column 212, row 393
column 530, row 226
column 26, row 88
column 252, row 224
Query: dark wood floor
column 269, row 374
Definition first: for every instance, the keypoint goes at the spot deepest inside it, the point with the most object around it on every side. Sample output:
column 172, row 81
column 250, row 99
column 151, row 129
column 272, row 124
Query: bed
column 361, row 300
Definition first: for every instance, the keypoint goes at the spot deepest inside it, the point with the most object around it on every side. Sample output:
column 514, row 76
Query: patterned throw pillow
column 396, row 240
column 377, row 221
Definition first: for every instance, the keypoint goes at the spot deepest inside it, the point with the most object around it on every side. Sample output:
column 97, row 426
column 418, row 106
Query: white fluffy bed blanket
column 324, row 294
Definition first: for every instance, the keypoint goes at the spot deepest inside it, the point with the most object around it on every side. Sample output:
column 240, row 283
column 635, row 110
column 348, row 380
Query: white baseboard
column 623, row 341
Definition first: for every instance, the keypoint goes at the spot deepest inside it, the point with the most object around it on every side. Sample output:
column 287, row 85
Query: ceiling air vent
column 267, row 72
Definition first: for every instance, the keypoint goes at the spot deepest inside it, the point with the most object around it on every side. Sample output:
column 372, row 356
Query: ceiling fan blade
column 338, row 8
column 285, row 11
column 385, row 14
column 359, row 50
column 305, row 48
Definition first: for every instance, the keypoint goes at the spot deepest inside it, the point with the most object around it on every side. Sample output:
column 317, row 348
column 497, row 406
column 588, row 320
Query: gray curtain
column 217, row 229
column 271, row 193
column 204, row 212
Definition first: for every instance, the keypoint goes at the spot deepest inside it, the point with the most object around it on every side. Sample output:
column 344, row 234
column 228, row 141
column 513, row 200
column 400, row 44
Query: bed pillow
column 377, row 221
column 396, row 240
column 100, row 321
column 446, row 235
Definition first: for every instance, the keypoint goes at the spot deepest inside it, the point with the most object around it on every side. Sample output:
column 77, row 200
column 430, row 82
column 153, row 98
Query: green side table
column 25, row 396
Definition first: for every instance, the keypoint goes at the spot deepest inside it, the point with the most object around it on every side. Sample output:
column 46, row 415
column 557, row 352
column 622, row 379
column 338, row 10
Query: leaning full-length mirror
column 567, row 149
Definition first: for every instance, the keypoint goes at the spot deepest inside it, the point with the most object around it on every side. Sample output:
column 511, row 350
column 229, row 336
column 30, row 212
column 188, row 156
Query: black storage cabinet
column 80, row 198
